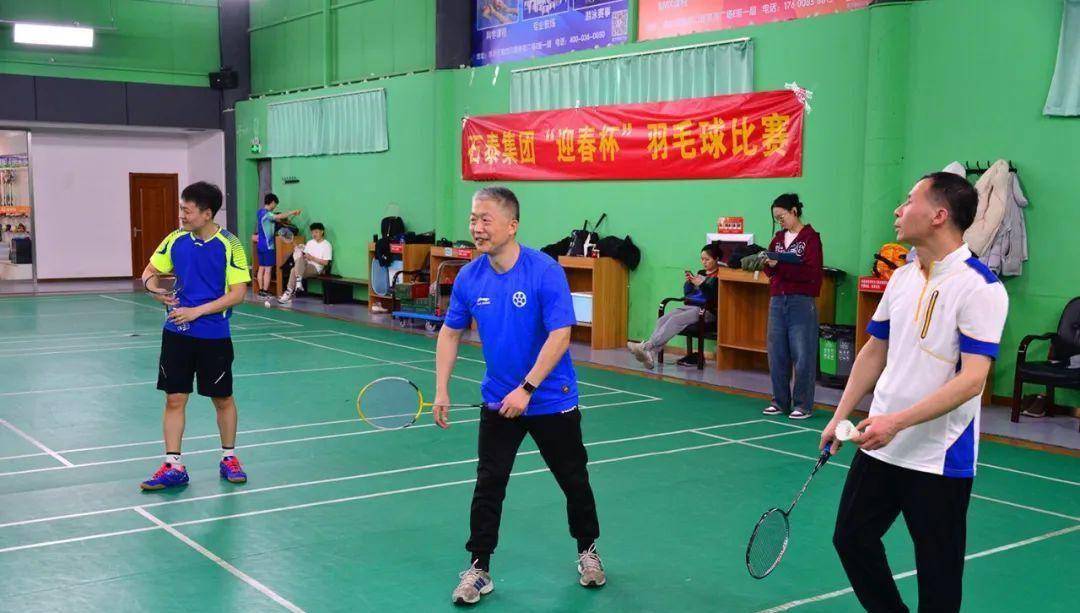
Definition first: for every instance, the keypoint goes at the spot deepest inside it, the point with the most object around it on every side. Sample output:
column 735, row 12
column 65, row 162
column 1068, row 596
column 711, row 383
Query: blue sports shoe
column 166, row 476
column 231, row 470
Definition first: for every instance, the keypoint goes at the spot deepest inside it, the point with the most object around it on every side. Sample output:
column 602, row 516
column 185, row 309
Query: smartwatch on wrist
column 528, row 387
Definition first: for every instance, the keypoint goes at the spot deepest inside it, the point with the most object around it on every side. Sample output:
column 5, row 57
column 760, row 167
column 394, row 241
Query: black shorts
column 182, row 357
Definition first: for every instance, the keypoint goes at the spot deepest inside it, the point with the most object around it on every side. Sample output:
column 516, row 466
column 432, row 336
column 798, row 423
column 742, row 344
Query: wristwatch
column 528, row 387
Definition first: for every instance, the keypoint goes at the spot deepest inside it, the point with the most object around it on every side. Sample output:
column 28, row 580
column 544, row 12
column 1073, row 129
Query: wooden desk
column 413, row 257
column 283, row 250
column 607, row 280
column 742, row 320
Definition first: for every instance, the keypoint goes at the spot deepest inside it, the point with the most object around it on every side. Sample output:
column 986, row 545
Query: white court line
column 972, row 556
column 124, row 300
column 65, row 314
column 594, row 395
column 371, row 357
column 36, row 443
column 235, row 311
column 466, row 359
column 154, row 341
column 310, row 333
column 364, row 496
column 274, row 443
column 845, row 466
column 203, row 436
column 76, row 337
column 381, row 473
column 236, row 572
column 994, row 466
column 1027, row 474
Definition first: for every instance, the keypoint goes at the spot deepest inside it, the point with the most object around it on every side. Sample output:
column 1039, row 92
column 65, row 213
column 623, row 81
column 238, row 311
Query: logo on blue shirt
column 519, row 299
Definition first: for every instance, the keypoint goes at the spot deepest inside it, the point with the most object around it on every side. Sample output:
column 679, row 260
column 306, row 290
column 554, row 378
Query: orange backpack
column 890, row 257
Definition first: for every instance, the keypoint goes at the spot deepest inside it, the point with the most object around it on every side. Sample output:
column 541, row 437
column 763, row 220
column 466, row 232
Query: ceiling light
column 56, row 36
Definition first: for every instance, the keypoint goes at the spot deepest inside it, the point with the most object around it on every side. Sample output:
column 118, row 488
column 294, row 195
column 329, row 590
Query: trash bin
column 836, row 354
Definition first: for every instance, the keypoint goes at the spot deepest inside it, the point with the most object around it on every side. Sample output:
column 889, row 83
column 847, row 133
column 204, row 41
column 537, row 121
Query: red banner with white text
column 737, row 136
column 663, row 18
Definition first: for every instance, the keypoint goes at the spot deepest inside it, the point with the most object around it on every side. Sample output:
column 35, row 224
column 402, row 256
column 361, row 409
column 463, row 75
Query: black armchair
column 1054, row 372
column 701, row 330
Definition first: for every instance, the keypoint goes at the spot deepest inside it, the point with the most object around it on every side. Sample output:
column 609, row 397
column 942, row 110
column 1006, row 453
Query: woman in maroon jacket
column 794, row 285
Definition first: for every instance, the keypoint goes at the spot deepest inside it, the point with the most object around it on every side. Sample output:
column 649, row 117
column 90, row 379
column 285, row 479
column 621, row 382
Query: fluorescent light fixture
column 56, row 36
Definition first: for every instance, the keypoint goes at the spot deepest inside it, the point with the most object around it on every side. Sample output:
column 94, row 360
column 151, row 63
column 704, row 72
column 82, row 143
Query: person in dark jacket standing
column 793, row 318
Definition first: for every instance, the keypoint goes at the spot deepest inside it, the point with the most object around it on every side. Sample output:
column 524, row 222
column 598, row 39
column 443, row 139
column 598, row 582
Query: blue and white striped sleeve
column 878, row 327
column 982, row 319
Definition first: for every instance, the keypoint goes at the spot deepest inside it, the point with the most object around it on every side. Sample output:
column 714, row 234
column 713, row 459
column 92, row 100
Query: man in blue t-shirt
column 212, row 271
column 521, row 302
column 266, row 252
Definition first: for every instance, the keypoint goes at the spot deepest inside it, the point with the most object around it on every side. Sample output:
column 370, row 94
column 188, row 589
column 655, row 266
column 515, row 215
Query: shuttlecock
column 267, row 304
column 845, row 430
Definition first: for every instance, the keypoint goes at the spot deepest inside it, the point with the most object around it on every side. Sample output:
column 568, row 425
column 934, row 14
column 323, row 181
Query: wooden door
column 155, row 211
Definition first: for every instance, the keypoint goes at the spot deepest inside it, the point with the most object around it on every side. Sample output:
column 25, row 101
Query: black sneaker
column 688, row 360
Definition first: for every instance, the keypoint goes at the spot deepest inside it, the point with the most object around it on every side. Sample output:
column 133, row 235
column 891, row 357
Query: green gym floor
column 336, row 516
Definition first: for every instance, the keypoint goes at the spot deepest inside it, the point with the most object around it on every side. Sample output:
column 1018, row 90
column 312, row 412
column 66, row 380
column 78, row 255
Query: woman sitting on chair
column 700, row 296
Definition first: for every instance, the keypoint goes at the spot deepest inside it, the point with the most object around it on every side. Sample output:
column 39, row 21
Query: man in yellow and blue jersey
column 212, row 271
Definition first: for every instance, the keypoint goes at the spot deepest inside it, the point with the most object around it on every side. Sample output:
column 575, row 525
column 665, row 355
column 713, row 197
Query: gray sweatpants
column 672, row 323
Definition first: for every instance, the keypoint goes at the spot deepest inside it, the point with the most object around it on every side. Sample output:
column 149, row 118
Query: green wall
column 173, row 42
column 298, row 44
column 899, row 90
column 350, row 193
column 981, row 82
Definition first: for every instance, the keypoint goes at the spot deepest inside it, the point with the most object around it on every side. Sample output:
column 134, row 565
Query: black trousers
column 558, row 438
column 935, row 510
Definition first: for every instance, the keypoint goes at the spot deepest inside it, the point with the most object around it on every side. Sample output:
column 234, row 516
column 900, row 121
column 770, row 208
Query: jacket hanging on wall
column 998, row 236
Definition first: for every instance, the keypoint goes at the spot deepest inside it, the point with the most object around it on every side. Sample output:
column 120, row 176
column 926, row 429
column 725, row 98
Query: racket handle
column 825, row 455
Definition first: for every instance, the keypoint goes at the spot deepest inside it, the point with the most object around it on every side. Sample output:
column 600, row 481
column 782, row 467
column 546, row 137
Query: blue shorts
column 267, row 258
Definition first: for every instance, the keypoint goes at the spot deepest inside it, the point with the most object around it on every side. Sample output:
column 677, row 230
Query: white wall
column 81, row 193
column 206, row 162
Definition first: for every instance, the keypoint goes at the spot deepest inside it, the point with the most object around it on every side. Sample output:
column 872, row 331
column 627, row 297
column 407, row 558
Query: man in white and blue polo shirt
column 520, row 300
column 933, row 341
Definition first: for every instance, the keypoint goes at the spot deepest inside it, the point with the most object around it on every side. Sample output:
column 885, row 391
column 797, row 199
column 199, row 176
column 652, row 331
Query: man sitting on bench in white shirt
column 308, row 261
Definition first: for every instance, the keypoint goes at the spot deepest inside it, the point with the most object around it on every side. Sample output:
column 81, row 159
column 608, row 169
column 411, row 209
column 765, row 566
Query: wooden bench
column 337, row 289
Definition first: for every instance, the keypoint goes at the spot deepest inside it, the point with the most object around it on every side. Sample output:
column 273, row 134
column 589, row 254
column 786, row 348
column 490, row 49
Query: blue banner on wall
column 508, row 30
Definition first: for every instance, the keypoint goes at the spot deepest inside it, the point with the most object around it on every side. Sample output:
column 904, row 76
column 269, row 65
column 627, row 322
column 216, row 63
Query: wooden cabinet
column 742, row 320
column 606, row 279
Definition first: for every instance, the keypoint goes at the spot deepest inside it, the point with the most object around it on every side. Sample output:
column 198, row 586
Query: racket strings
column 391, row 402
column 162, row 284
column 768, row 543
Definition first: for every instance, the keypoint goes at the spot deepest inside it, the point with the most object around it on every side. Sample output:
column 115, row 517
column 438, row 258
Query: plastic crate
column 411, row 291
column 425, row 305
